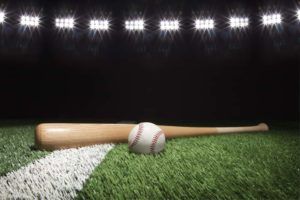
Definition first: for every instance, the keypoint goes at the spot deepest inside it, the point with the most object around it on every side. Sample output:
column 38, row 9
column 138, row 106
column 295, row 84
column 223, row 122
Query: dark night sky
column 187, row 76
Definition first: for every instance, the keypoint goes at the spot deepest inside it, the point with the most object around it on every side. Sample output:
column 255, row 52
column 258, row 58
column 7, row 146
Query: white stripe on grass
column 57, row 176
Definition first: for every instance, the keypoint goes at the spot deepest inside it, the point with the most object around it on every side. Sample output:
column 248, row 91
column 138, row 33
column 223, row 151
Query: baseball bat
column 61, row 136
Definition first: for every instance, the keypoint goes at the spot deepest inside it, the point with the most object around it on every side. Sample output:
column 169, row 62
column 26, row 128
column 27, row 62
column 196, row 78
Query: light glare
column 33, row 21
column 298, row 14
column 67, row 23
column 272, row 19
column 134, row 25
column 239, row 22
column 204, row 24
column 99, row 24
column 2, row 16
column 169, row 25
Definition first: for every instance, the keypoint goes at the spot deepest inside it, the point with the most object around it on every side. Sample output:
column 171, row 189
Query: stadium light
column 2, row 16
column 239, row 22
column 33, row 21
column 204, row 24
column 272, row 19
column 102, row 25
column 298, row 14
column 169, row 25
column 65, row 23
column 135, row 25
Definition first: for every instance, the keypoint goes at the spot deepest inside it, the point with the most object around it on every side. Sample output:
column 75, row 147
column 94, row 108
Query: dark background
column 188, row 76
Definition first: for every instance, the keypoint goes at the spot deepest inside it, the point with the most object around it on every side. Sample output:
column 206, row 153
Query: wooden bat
column 62, row 136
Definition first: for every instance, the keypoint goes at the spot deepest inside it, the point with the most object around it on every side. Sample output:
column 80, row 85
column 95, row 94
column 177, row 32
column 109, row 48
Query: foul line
column 57, row 176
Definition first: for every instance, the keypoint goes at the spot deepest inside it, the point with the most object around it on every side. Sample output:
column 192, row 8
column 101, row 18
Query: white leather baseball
column 146, row 138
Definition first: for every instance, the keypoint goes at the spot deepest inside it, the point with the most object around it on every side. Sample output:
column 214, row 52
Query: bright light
column 204, row 24
column 67, row 23
column 27, row 20
column 2, row 16
column 99, row 25
column 169, row 25
column 239, row 22
column 298, row 14
column 134, row 25
column 272, row 19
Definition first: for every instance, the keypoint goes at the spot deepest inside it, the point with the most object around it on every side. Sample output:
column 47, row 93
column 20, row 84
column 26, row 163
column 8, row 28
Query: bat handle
column 259, row 127
column 173, row 131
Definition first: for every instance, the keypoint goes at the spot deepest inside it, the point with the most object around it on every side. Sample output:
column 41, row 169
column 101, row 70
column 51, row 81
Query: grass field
column 16, row 144
column 238, row 166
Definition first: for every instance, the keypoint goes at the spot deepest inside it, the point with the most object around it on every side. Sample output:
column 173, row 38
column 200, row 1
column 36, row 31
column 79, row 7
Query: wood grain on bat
column 61, row 136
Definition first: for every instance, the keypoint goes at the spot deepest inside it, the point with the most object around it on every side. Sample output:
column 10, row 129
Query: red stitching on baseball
column 154, row 141
column 137, row 136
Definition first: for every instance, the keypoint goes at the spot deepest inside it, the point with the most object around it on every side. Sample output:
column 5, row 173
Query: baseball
column 146, row 138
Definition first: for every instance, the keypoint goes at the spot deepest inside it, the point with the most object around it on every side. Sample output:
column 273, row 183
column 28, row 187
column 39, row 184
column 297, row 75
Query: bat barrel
column 61, row 136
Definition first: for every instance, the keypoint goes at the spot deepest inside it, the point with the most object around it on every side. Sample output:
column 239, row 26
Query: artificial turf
column 16, row 147
column 239, row 166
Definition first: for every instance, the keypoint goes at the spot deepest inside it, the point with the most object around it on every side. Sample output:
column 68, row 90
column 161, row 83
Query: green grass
column 239, row 166
column 16, row 144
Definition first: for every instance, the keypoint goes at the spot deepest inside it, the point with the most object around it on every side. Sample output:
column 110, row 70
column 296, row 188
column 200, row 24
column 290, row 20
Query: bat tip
column 38, row 136
column 264, row 126
column 40, row 132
